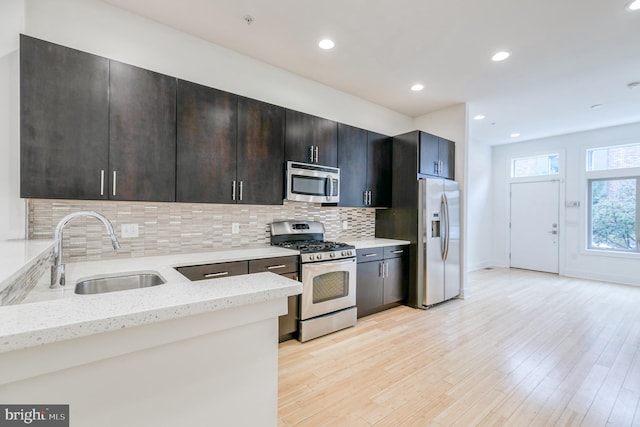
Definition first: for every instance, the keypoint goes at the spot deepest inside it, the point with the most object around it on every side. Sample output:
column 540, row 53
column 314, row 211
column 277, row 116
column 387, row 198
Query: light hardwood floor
column 524, row 348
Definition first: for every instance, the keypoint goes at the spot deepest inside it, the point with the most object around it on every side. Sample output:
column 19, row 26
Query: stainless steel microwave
column 313, row 183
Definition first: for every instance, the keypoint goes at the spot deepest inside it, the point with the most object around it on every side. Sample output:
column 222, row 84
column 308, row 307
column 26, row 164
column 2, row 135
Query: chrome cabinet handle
column 115, row 177
column 240, row 190
column 365, row 197
column 369, row 198
column 102, row 182
column 330, row 187
column 275, row 267
column 233, row 190
column 386, row 269
column 381, row 270
column 398, row 251
column 316, row 150
column 220, row 274
column 368, row 255
column 311, row 154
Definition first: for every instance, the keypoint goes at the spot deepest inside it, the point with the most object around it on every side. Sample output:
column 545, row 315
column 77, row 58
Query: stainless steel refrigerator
column 438, row 244
column 426, row 212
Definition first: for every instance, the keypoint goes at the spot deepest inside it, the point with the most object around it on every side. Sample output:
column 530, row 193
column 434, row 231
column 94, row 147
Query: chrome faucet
column 57, row 269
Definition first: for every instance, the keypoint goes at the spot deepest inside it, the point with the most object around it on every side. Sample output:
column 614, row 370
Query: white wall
column 575, row 260
column 11, row 207
column 479, row 206
column 102, row 29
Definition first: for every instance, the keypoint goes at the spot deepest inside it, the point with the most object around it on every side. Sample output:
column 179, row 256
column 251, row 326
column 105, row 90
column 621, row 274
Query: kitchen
column 186, row 225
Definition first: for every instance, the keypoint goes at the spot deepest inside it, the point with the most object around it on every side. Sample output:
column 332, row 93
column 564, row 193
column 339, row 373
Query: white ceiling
column 567, row 55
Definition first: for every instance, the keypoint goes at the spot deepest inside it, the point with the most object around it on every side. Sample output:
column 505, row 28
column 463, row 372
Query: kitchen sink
column 101, row 285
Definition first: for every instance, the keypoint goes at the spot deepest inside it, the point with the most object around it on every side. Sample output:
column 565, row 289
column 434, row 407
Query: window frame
column 548, row 155
column 589, row 214
column 605, row 174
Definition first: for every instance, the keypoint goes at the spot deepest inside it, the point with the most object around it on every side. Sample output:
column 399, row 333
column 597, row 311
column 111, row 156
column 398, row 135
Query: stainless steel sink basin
column 101, row 285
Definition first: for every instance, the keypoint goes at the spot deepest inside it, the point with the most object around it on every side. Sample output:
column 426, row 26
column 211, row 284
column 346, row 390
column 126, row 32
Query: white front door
column 534, row 225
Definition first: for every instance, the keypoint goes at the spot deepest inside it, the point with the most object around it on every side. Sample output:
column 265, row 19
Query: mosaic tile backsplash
column 166, row 228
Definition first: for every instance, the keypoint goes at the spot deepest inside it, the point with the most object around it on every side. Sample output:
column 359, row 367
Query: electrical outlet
column 235, row 227
column 128, row 231
column 345, row 224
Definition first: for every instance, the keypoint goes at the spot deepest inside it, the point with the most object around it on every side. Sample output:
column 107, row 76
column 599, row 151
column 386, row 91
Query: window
column 618, row 157
column 613, row 214
column 534, row 166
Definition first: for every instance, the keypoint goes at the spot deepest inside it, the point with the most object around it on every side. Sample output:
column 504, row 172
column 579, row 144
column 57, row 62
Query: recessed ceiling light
column 515, row 135
column 634, row 5
column 326, row 44
column 479, row 117
column 596, row 106
column 500, row 56
column 417, row 87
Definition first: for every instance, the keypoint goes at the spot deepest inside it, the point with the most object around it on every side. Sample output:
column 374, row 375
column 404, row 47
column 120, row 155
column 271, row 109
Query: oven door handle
column 330, row 264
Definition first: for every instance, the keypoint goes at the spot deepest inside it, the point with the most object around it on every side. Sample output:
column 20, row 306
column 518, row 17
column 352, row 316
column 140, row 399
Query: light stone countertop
column 376, row 243
column 52, row 315
column 49, row 316
column 16, row 256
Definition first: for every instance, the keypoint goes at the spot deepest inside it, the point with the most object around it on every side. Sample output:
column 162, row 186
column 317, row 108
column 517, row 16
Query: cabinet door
column 379, row 169
column 260, row 150
column 447, row 155
column 369, row 288
column 428, row 154
column 142, row 134
column 64, row 127
column 206, row 151
column 352, row 161
column 396, row 280
column 304, row 131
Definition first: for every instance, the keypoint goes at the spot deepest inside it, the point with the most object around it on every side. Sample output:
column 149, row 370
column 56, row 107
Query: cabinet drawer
column 212, row 271
column 395, row 251
column 279, row 265
column 372, row 254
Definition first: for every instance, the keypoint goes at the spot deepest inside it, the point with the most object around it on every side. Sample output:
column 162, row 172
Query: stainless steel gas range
column 328, row 272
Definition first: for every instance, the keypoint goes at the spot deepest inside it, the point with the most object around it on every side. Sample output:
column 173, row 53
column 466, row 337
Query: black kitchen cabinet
column 436, row 155
column 287, row 266
column 311, row 139
column 142, row 134
column 206, row 144
column 260, row 151
column 382, row 278
column 364, row 159
column 230, row 148
column 92, row 128
column 64, row 122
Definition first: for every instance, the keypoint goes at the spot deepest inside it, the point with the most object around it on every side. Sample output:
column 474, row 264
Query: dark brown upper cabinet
column 436, row 155
column 311, row 139
column 64, row 122
column 142, row 134
column 260, row 150
column 230, row 148
column 364, row 159
column 206, row 151
column 92, row 128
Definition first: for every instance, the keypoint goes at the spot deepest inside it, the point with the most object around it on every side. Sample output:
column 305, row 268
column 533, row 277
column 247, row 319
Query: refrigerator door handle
column 444, row 208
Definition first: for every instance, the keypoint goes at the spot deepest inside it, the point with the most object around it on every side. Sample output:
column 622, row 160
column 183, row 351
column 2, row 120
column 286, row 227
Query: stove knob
column 342, row 253
column 349, row 253
column 311, row 257
column 332, row 254
column 319, row 256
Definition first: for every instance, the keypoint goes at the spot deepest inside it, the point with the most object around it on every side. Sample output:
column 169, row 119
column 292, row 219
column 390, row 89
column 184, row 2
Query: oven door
column 327, row 287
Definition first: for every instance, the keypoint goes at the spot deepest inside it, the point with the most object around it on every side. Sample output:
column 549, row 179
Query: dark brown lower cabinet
column 286, row 266
column 382, row 278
